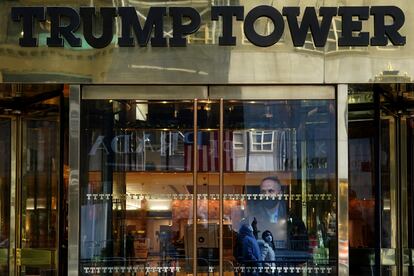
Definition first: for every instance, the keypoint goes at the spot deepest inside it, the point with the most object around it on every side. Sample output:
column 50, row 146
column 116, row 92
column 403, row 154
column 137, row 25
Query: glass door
column 207, row 180
column 30, row 185
column 387, row 204
column 374, row 183
column 37, row 247
column 380, row 194
column 280, row 188
column 137, row 182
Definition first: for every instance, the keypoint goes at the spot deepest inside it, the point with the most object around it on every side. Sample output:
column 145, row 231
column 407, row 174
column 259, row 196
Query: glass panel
column 363, row 183
column 5, row 180
column 388, row 190
column 136, row 187
column 361, row 130
column 208, row 193
column 280, row 187
column 39, row 190
column 386, row 179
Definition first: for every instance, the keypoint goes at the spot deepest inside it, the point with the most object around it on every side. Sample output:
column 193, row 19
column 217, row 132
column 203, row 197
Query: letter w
column 309, row 21
column 154, row 20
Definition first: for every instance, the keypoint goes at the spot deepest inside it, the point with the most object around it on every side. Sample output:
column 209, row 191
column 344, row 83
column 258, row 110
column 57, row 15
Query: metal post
column 61, row 189
column 221, row 188
column 195, row 166
column 342, row 157
column 74, row 158
column 13, row 196
column 377, row 177
column 18, row 195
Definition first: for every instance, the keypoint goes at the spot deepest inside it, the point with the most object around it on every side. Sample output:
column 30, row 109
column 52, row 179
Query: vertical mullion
column 74, row 177
column 195, row 166
column 13, row 194
column 60, row 189
column 342, row 179
column 221, row 188
column 18, row 202
column 403, row 192
column 377, row 177
column 399, row 187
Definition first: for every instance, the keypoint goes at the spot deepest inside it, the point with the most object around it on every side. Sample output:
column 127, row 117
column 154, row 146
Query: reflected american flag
column 208, row 152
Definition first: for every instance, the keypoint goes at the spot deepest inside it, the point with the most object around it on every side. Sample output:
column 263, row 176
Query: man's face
column 270, row 187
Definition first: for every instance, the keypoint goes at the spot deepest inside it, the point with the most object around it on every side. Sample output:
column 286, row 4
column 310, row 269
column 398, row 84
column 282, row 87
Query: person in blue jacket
column 249, row 251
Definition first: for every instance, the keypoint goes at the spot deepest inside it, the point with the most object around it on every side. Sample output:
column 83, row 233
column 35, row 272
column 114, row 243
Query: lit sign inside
column 65, row 21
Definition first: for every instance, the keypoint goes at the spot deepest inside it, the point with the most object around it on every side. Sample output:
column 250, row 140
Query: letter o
column 271, row 13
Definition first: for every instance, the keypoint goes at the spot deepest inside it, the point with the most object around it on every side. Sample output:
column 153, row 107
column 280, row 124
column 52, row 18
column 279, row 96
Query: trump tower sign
column 66, row 21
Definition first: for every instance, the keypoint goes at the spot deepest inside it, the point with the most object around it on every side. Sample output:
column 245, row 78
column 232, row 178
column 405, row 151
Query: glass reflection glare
column 283, row 171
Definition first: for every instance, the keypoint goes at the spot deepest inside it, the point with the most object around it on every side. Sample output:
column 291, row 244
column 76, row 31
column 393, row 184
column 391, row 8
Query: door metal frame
column 221, row 93
column 195, row 185
column 342, row 172
column 377, row 181
column 74, row 165
column 13, row 193
column 55, row 252
column 13, row 185
column 15, row 222
column 404, row 253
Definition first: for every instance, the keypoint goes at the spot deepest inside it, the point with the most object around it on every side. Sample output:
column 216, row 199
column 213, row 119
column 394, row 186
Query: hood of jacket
column 246, row 230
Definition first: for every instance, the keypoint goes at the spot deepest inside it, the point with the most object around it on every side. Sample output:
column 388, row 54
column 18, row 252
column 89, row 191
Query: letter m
column 309, row 21
column 130, row 21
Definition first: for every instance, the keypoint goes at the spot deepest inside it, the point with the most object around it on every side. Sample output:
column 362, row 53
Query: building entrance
column 381, row 186
column 204, row 180
column 30, row 181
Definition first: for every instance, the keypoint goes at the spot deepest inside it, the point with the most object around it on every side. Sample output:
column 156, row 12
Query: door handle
column 406, row 258
column 388, row 256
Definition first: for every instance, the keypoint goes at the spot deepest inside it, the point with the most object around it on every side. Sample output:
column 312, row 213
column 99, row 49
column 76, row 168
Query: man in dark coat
column 271, row 214
column 288, row 230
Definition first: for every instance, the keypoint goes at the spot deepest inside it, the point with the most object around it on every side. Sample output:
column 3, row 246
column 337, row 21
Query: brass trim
column 143, row 92
column 36, row 257
column 342, row 165
column 275, row 92
column 406, row 261
column 412, row 256
column 74, row 153
column 221, row 188
column 195, row 164
column 403, row 204
column 18, row 197
column 56, row 255
column 388, row 257
column 393, row 181
column 18, row 256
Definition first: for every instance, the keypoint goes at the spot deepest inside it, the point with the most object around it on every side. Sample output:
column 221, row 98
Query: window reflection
column 279, row 194
column 283, row 155
column 138, row 189
column 39, row 195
